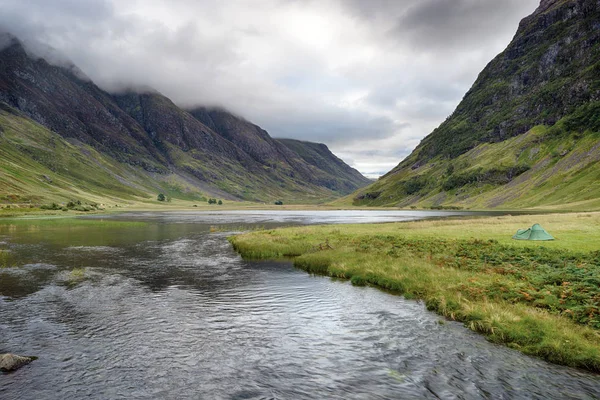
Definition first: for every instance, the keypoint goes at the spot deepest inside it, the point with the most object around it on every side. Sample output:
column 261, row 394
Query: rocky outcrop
column 12, row 362
column 547, row 72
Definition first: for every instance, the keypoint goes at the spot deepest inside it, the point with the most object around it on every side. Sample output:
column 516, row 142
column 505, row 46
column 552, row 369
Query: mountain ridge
column 146, row 130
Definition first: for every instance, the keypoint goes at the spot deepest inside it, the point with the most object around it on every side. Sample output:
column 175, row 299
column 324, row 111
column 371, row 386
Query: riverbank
column 23, row 210
column 541, row 298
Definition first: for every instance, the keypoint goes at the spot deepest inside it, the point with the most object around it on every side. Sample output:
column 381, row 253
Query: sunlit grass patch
column 5, row 259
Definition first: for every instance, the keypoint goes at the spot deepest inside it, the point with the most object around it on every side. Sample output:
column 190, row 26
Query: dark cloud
column 435, row 25
column 333, row 127
column 444, row 25
column 369, row 78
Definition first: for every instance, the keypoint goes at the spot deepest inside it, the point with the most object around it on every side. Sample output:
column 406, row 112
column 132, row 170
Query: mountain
column 145, row 141
column 310, row 162
column 330, row 171
column 527, row 134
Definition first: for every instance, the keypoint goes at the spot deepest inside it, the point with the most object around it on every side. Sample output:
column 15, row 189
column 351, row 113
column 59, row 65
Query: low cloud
column 370, row 79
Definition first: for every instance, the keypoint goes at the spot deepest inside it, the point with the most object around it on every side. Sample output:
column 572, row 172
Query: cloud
column 445, row 25
column 368, row 78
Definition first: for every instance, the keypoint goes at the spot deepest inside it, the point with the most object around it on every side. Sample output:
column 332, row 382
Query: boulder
column 12, row 362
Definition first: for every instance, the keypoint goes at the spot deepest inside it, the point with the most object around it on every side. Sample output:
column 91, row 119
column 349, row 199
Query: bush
column 279, row 203
column 83, row 208
column 414, row 185
column 52, row 206
column 212, row 201
column 220, row 203
column 161, row 197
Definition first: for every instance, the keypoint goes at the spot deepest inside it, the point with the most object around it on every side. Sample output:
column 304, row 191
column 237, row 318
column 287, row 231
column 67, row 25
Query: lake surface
column 167, row 310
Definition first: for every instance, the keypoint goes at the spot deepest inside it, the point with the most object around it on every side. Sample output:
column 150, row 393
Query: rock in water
column 12, row 362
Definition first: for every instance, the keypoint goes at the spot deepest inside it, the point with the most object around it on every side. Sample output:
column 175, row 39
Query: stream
column 167, row 310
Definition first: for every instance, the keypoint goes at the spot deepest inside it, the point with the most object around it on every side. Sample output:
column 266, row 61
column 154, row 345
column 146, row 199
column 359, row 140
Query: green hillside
column 38, row 166
column 526, row 133
column 65, row 138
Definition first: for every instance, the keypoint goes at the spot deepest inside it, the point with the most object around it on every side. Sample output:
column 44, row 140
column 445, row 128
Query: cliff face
column 548, row 70
column 208, row 151
column 536, row 100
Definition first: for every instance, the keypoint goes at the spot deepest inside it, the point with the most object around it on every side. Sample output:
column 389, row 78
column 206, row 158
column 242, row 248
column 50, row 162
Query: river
column 167, row 310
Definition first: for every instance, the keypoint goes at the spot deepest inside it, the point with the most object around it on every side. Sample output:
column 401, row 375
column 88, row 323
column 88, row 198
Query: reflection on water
column 168, row 310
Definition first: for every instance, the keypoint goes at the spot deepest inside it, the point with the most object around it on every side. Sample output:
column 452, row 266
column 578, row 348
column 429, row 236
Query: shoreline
column 540, row 298
column 18, row 211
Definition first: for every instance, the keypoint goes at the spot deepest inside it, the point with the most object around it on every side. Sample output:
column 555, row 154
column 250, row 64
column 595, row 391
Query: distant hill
column 328, row 170
column 139, row 141
column 311, row 162
column 527, row 134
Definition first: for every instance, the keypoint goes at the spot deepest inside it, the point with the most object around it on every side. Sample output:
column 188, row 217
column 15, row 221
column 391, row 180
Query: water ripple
column 182, row 316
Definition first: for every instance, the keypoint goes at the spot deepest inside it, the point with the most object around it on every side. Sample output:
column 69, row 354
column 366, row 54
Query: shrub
column 220, row 202
column 52, row 206
column 279, row 203
column 414, row 185
column 73, row 203
column 161, row 197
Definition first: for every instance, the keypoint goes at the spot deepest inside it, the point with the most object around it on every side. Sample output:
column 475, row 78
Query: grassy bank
column 176, row 205
column 541, row 298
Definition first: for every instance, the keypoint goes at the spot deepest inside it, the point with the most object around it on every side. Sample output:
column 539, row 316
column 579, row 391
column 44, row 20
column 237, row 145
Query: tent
column 536, row 232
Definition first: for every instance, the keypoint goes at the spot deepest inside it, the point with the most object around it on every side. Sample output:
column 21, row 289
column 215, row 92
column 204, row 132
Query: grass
column 71, row 221
column 542, row 298
column 76, row 276
column 176, row 205
column 5, row 259
column 546, row 168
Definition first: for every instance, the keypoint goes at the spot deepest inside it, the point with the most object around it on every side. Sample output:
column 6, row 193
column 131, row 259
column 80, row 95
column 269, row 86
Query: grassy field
column 542, row 298
column 25, row 210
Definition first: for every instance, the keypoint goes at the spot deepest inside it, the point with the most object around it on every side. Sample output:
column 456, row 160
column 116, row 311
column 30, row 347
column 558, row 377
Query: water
column 167, row 310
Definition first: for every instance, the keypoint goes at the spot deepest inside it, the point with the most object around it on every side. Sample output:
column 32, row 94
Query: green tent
column 536, row 232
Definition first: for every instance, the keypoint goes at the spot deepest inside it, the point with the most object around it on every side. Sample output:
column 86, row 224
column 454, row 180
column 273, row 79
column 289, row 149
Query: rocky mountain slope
column 329, row 170
column 146, row 142
column 525, row 135
column 323, row 168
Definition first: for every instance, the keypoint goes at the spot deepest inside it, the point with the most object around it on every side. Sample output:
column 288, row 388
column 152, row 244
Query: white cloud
column 369, row 78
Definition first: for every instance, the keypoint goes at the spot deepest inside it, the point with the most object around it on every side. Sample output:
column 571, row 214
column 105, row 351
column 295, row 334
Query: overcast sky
column 370, row 78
